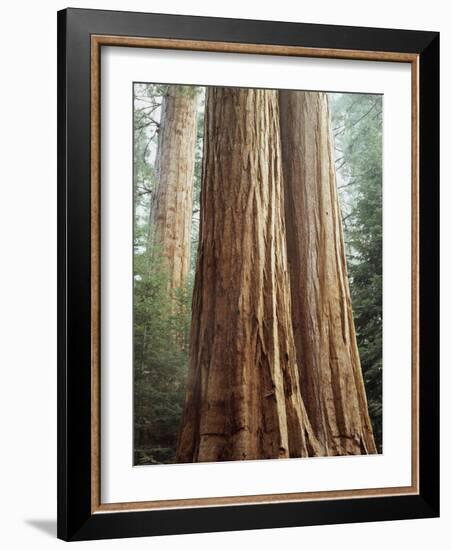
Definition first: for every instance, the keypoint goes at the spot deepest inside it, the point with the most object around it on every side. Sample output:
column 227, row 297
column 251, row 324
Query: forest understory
column 257, row 274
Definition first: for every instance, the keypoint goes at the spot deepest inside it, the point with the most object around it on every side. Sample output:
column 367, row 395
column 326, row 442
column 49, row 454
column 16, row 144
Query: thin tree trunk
column 243, row 399
column 171, row 207
column 329, row 366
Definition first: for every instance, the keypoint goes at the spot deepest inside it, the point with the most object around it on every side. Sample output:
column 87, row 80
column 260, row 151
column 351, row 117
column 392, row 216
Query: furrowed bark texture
column 171, row 208
column 243, row 399
column 329, row 366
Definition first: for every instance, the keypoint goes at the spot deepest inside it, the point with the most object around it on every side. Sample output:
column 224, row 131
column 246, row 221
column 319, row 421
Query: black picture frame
column 75, row 518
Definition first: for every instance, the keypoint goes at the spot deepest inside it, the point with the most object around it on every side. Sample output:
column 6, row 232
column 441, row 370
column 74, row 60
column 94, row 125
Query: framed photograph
column 248, row 274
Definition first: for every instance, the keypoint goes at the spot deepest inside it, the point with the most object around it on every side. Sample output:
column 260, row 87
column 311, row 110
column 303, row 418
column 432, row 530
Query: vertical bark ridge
column 171, row 207
column 243, row 398
column 329, row 367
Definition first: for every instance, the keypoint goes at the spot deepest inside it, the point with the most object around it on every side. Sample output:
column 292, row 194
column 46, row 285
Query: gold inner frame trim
column 97, row 41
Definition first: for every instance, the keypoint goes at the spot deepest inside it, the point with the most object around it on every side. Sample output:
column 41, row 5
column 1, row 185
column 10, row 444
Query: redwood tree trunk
column 243, row 399
column 171, row 207
column 329, row 366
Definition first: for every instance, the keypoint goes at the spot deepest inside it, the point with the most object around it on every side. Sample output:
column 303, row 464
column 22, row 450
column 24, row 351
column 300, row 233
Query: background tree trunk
column 171, row 207
column 329, row 366
column 243, row 399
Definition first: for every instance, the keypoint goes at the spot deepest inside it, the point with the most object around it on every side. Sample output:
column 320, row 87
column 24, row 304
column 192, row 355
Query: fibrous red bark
column 329, row 367
column 243, row 395
column 171, row 206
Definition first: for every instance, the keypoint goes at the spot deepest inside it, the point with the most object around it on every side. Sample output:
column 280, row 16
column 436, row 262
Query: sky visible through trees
column 162, row 317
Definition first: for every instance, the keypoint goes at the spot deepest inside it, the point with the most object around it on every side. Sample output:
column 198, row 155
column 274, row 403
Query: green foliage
column 357, row 124
column 162, row 317
column 161, row 338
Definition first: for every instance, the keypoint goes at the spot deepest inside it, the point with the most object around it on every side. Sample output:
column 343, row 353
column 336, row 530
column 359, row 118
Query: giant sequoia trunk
column 328, row 359
column 243, row 399
column 171, row 207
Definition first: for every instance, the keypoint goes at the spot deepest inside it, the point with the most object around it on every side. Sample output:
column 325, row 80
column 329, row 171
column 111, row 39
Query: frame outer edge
column 74, row 445
column 74, row 520
column 429, row 169
column 62, row 496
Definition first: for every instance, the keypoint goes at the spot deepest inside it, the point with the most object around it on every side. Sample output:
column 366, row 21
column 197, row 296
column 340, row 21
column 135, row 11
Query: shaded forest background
column 161, row 326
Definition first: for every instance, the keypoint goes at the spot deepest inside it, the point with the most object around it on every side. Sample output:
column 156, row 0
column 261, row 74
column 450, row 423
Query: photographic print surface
column 257, row 318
